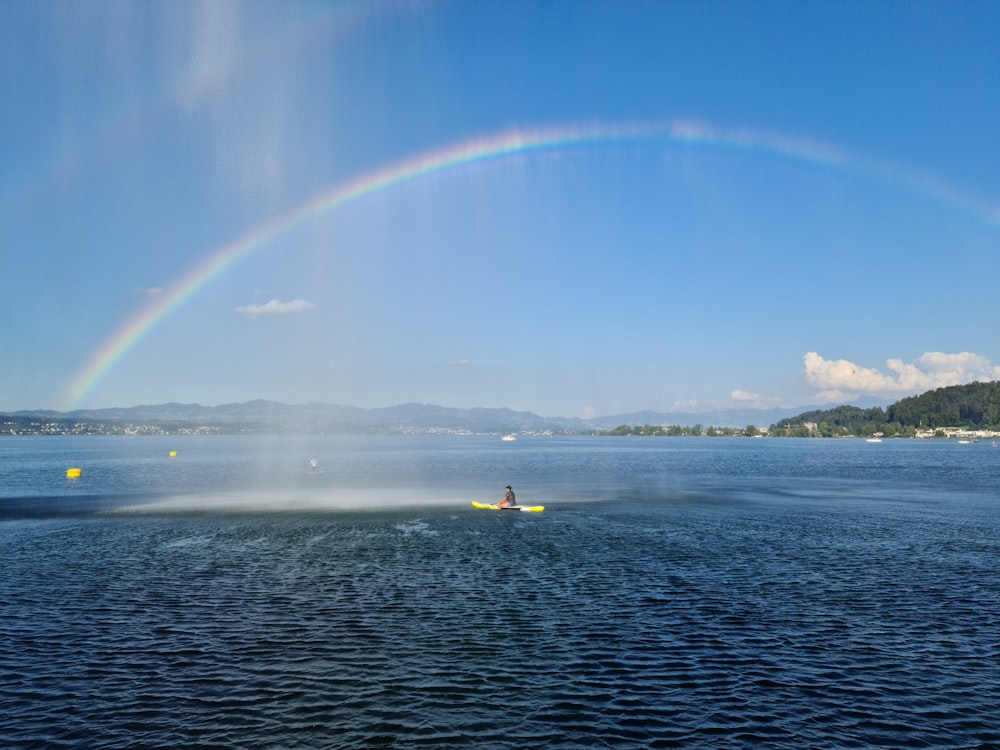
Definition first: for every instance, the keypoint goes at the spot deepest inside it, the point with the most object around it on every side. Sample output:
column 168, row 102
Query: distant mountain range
column 260, row 416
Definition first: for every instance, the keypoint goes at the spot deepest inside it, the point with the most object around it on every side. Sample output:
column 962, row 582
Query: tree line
column 676, row 430
column 974, row 406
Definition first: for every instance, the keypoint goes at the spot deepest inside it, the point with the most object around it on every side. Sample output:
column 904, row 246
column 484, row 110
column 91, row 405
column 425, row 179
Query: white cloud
column 755, row 400
column 691, row 405
column 275, row 307
column 838, row 379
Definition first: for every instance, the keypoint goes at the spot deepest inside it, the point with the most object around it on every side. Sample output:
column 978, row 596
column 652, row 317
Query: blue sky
column 716, row 204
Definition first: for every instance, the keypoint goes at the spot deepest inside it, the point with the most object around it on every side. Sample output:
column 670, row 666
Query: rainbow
column 482, row 149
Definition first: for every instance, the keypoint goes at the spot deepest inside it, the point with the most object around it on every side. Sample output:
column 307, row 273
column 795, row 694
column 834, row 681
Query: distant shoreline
column 80, row 428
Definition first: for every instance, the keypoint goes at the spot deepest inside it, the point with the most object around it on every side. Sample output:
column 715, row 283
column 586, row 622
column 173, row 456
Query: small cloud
column 755, row 400
column 462, row 363
column 685, row 406
column 839, row 379
column 275, row 307
column 150, row 292
column 834, row 397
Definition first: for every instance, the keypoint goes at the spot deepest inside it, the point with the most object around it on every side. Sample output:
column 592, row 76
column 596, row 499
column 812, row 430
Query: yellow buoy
column 173, row 454
column 73, row 473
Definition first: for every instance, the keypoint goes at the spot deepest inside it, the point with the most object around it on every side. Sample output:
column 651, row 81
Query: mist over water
column 674, row 593
column 281, row 473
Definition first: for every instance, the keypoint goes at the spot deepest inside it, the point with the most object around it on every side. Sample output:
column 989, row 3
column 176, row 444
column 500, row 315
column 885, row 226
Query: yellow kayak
column 528, row 508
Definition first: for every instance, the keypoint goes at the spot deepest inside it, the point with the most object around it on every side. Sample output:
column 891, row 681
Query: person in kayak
column 508, row 499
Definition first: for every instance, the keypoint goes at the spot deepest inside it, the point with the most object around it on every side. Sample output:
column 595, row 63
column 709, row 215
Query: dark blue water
column 675, row 593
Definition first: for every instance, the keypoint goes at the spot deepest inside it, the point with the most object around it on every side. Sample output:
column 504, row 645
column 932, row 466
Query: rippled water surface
column 674, row 593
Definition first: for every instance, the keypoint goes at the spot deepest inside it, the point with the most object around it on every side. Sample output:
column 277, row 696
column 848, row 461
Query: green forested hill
column 974, row 406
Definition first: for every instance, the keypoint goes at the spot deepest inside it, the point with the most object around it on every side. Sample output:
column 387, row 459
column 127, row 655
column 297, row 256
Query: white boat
column 509, row 438
column 873, row 440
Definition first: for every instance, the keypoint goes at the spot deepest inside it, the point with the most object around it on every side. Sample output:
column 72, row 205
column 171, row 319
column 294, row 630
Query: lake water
column 712, row 592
